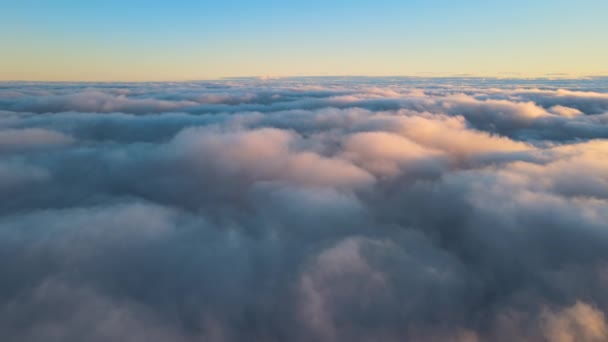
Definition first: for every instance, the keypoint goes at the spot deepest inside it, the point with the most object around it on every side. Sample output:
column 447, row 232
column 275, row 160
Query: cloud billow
column 327, row 209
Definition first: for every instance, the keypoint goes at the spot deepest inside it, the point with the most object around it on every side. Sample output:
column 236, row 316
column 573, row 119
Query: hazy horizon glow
column 68, row 40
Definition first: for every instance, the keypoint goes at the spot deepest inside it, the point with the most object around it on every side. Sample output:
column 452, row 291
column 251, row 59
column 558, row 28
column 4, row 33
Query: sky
column 73, row 40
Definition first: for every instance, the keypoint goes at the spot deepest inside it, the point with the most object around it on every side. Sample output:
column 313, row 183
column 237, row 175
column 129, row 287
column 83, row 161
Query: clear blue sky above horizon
column 187, row 39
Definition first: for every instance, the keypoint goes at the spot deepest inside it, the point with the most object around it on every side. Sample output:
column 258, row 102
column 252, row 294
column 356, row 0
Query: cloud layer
column 322, row 209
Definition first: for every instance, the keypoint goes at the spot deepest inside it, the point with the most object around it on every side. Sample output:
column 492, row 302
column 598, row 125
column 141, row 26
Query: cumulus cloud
column 580, row 322
column 31, row 138
column 326, row 209
column 93, row 101
column 565, row 111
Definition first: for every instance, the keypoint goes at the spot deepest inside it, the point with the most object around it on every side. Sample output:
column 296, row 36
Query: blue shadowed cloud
column 299, row 209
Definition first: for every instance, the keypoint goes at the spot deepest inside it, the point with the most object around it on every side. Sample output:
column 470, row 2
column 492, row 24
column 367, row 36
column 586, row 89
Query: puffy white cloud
column 31, row 138
column 580, row 322
column 386, row 153
column 321, row 209
column 565, row 111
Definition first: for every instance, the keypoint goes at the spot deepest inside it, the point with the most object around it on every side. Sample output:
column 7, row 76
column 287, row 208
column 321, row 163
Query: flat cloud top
column 328, row 209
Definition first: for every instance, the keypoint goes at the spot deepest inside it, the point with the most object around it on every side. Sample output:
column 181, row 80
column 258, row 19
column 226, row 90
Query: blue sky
column 150, row 40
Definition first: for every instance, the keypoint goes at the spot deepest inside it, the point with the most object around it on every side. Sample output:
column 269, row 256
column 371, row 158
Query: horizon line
column 552, row 76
